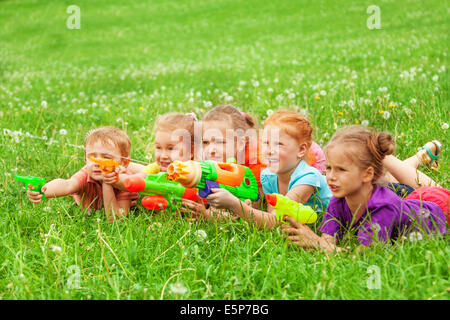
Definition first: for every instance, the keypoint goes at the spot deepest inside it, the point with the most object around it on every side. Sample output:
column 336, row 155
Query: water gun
column 285, row 206
column 161, row 192
column 237, row 179
column 106, row 165
column 36, row 182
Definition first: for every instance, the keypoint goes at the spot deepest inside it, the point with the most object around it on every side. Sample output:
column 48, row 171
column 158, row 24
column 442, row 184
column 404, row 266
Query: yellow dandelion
column 141, row 108
column 357, row 121
column 317, row 98
column 392, row 105
column 381, row 111
column 341, row 113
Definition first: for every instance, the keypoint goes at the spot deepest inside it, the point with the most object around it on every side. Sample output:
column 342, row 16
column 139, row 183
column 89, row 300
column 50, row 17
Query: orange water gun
column 106, row 165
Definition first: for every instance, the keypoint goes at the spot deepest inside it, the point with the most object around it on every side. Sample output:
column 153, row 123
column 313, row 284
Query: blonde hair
column 175, row 120
column 293, row 123
column 366, row 148
column 236, row 119
column 110, row 135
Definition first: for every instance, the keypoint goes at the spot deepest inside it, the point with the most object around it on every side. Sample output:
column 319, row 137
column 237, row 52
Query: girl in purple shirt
column 354, row 161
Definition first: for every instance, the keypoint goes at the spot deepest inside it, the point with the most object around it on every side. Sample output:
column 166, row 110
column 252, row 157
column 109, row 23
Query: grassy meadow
column 132, row 60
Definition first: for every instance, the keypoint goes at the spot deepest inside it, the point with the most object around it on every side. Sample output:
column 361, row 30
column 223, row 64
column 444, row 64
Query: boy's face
column 281, row 152
column 101, row 150
column 170, row 147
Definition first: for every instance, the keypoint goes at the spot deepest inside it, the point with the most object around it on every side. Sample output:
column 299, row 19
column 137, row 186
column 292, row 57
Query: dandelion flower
column 269, row 112
column 55, row 248
column 178, row 288
column 201, row 234
column 386, row 115
column 413, row 101
column 63, row 132
column 444, row 126
column 415, row 236
column 317, row 97
column 323, row 93
column 435, row 78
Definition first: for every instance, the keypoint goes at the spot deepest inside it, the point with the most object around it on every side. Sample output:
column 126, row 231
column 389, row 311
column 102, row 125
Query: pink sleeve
column 82, row 177
column 126, row 195
column 320, row 157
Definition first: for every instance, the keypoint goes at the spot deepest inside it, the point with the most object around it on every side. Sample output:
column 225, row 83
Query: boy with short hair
column 90, row 187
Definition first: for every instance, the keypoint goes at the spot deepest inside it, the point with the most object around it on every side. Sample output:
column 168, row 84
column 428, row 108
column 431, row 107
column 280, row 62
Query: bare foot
column 423, row 155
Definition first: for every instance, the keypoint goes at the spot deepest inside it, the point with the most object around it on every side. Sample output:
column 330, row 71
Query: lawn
column 132, row 60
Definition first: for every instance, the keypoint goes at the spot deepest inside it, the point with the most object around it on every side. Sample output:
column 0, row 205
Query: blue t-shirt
column 302, row 175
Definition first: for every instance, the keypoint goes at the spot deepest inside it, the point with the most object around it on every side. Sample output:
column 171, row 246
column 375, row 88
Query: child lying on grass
column 90, row 187
column 354, row 160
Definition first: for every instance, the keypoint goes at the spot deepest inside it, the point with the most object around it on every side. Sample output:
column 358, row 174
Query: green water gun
column 237, row 179
column 160, row 192
column 36, row 182
column 285, row 206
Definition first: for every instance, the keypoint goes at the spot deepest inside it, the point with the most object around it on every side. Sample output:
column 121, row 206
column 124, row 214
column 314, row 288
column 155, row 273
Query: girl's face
column 216, row 146
column 344, row 177
column 170, row 147
column 281, row 152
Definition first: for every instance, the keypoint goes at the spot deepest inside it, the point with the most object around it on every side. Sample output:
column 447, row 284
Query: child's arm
column 54, row 188
column 133, row 169
column 113, row 208
column 303, row 236
column 221, row 198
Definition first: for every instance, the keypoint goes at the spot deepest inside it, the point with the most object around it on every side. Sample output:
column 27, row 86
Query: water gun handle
column 106, row 165
column 36, row 182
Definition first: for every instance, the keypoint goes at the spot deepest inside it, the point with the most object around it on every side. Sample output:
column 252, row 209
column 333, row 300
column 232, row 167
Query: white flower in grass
column 415, row 236
column 269, row 112
column 63, row 132
column 444, row 126
column 201, row 234
column 350, row 103
column 44, row 104
column 255, row 83
column 291, row 95
column 242, row 83
column 413, row 101
column 435, row 78
column 269, row 90
column 323, row 93
column 55, row 248
column 386, row 115
column 368, row 92
column 178, row 288
column 376, row 227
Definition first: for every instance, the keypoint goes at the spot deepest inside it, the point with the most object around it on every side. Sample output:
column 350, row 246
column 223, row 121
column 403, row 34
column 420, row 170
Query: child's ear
column 368, row 174
column 125, row 162
column 302, row 149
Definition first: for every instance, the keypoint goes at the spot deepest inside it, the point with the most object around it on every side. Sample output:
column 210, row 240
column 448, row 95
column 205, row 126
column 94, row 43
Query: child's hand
column 35, row 196
column 111, row 178
column 299, row 234
column 223, row 199
column 196, row 208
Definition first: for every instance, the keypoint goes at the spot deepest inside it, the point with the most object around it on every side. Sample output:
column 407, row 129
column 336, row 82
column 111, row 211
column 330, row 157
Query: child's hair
column 293, row 123
column 176, row 120
column 110, row 135
column 366, row 148
column 237, row 119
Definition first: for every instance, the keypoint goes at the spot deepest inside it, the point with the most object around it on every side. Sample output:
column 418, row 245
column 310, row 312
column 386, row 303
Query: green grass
column 185, row 55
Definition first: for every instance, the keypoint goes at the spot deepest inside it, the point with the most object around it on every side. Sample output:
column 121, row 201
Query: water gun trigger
column 206, row 191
